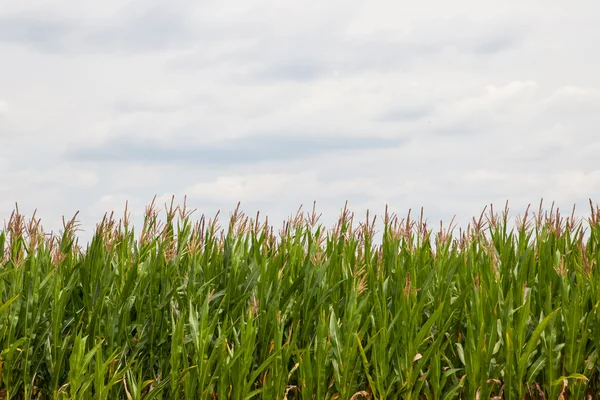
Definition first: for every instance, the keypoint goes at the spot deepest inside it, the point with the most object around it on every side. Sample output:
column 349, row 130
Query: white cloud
column 252, row 187
column 574, row 100
column 4, row 163
column 443, row 105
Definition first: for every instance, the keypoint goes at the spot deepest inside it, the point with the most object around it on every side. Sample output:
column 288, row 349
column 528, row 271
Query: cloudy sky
column 446, row 105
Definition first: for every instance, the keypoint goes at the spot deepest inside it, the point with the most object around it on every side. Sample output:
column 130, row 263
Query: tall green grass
column 187, row 310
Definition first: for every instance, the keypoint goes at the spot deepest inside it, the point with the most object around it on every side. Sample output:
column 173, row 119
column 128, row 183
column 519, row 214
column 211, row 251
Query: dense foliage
column 188, row 310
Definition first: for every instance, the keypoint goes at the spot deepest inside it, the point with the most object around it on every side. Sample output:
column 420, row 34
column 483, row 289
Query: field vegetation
column 185, row 309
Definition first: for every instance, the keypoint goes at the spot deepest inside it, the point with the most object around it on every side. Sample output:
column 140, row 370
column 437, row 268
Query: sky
column 449, row 106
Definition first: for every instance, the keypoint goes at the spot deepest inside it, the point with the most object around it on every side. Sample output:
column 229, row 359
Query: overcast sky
column 446, row 105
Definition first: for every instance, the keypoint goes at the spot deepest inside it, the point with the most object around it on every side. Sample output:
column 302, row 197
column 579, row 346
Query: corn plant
column 185, row 309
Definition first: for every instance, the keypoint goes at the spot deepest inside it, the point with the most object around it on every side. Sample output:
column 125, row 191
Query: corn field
column 185, row 309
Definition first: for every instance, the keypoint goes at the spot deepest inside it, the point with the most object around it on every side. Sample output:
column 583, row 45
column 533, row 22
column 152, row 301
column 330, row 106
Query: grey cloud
column 464, row 128
column 406, row 113
column 44, row 33
column 233, row 152
column 493, row 45
column 155, row 28
column 377, row 52
column 149, row 27
column 315, row 54
column 144, row 106
column 160, row 103
column 299, row 71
